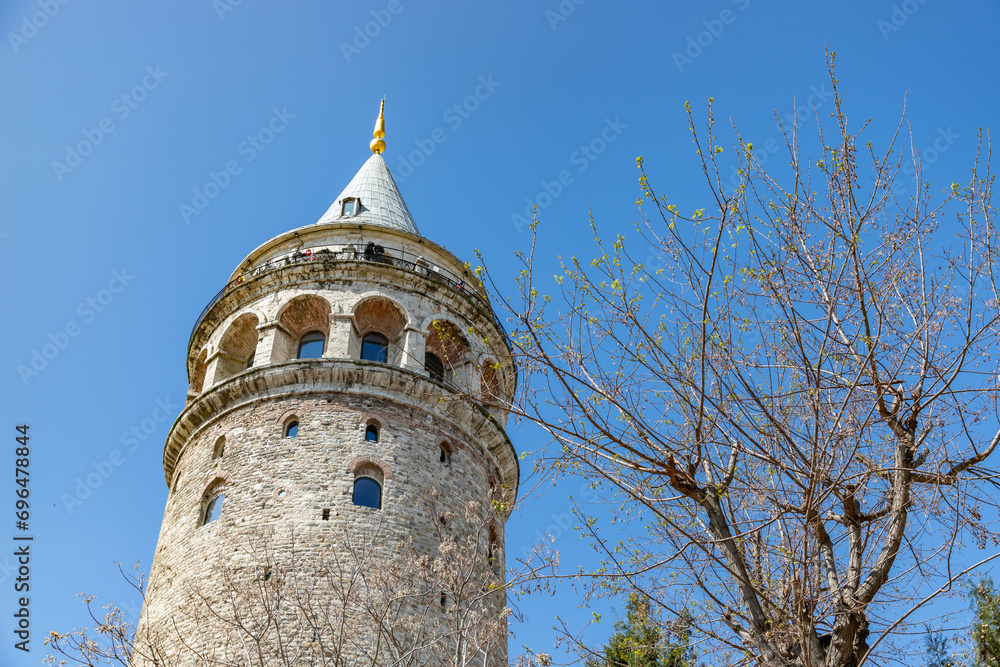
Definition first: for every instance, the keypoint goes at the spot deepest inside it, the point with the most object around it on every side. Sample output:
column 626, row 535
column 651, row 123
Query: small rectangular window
column 326, row 515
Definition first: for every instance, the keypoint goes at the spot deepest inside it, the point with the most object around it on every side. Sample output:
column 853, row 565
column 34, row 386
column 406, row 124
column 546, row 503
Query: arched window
column 311, row 345
column 371, row 431
column 445, row 456
column 434, row 366
column 214, row 508
column 367, row 493
column 292, row 429
column 220, row 448
column 375, row 347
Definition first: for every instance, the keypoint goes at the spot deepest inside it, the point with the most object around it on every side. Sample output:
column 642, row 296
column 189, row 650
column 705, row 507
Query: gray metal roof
column 381, row 203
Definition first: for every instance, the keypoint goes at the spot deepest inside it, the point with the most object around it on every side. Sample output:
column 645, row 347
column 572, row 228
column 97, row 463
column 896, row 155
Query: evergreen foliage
column 641, row 640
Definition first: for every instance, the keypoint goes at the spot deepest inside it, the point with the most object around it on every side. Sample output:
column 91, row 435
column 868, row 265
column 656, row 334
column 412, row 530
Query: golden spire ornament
column 377, row 144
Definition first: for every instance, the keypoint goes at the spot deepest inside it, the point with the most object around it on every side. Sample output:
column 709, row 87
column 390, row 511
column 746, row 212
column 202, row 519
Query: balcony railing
column 398, row 258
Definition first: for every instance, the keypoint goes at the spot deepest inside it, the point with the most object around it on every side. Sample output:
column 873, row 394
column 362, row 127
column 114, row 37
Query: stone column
column 414, row 342
column 272, row 344
column 338, row 343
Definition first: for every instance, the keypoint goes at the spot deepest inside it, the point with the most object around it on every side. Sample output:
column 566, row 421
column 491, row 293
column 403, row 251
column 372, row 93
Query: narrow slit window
column 491, row 549
column 326, row 515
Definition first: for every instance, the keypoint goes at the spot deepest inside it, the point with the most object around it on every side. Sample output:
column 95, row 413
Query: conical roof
column 380, row 201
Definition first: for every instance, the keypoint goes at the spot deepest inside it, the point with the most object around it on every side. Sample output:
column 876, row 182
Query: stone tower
column 340, row 475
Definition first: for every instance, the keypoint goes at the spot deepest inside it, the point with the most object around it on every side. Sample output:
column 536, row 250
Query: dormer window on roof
column 350, row 206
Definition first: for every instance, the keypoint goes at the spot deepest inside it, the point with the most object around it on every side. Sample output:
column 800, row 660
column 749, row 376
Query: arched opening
column 379, row 325
column 493, row 548
column 213, row 509
column 446, row 348
column 220, row 448
column 372, row 431
column 291, row 429
column 212, row 501
column 304, row 316
column 489, row 384
column 445, row 455
column 200, row 367
column 375, row 347
column 237, row 347
column 312, row 345
column 368, row 480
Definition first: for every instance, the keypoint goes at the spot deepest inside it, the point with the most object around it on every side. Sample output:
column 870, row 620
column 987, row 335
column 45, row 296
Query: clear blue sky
column 198, row 78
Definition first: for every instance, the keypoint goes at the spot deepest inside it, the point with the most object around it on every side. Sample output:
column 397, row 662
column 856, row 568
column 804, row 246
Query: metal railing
column 398, row 258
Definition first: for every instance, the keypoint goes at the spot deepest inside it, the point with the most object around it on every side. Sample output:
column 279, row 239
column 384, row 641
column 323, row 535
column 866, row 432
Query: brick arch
column 490, row 379
column 305, row 313
column 357, row 465
column 237, row 345
column 200, row 368
column 381, row 314
column 365, row 418
column 218, row 483
column 240, row 338
column 301, row 315
column 219, row 448
column 446, row 340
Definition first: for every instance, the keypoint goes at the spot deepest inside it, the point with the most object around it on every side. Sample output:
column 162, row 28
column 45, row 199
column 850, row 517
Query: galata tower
column 340, row 475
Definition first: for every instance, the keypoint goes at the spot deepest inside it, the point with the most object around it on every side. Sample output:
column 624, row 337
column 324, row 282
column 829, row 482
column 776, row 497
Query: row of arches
column 375, row 331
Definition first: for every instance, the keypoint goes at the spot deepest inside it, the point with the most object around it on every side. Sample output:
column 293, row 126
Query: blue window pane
column 292, row 430
column 214, row 508
column 367, row 493
column 375, row 347
column 311, row 346
column 371, row 433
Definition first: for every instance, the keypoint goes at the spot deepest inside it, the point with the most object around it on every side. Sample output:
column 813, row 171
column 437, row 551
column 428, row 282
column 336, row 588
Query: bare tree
column 794, row 397
column 278, row 604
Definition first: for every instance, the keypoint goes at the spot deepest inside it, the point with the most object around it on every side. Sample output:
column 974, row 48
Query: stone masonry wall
column 281, row 486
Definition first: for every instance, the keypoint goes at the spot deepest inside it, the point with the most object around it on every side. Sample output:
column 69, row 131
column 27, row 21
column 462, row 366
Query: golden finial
column 377, row 144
